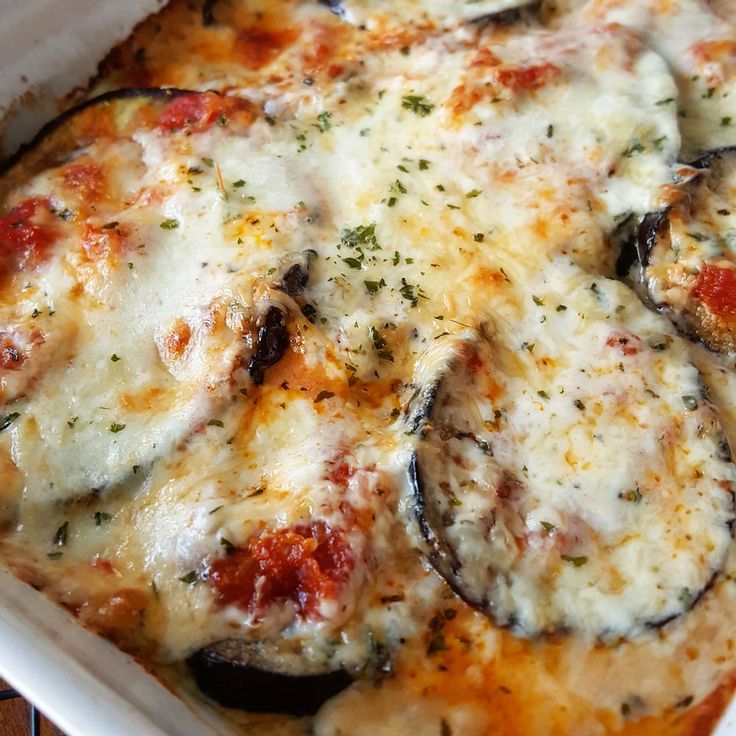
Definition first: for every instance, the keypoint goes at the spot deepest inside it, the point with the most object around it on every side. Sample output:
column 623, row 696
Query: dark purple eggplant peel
column 669, row 254
column 58, row 138
column 477, row 512
column 238, row 674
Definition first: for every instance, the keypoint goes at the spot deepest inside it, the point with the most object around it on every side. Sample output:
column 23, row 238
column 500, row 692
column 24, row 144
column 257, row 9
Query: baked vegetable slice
column 239, row 674
column 434, row 11
column 686, row 252
column 600, row 500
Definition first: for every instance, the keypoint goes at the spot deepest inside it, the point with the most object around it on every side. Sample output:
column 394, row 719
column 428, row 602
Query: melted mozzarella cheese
column 444, row 181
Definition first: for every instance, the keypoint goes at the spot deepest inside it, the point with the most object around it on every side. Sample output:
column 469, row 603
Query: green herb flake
column 479, row 237
column 543, row 394
column 323, row 121
column 726, row 121
column 215, row 423
column 54, row 555
column 424, row 164
column 686, row 598
column 101, row 517
column 171, row 224
column 538, row 301
column 115, row 427
column 190, row 578
column 575, row 561
column 362, row 236
column 379, row 343
column 473, row 193
column 114, row 358
column 418, row 104
column 372, row 287
column 665, row 101
column 62, row 535
column 633, row 149
column 228, row 545
column 579, row 404
column 238, row 184
column 547, row 526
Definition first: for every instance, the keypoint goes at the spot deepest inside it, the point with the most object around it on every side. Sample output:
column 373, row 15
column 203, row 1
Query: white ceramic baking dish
column 83, row 683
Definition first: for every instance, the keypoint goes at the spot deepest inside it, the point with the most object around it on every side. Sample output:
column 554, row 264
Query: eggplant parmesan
column 367, row 367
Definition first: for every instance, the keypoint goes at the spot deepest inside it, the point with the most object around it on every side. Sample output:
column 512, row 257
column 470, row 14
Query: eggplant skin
column 334, row 5
column 208, row 13
column 271, row 343
column 706, row 160
column 636, row 239
column 157, row 94
column 237, row 684
column 441, row 556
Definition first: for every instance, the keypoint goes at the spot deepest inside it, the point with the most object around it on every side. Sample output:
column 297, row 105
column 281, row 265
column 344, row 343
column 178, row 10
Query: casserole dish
column 268, row 309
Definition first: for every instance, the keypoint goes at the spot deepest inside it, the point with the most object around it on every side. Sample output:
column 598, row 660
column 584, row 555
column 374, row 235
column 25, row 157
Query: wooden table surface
column 15, row 718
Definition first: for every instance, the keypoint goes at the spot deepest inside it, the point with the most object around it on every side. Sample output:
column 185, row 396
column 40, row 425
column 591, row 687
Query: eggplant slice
column 364, row 12
column 238, row 674
column 516, row 509
column 63, row 135
column 686, row 253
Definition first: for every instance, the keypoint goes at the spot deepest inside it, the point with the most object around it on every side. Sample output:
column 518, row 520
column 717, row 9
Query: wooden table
column 15, row 718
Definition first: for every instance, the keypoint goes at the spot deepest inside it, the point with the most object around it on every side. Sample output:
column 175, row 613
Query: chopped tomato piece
column 25, row 235
column 200, row 111
column 341, row 474
column 304, row 565
column 625, row 343
column 528, row 78
column 716, row 288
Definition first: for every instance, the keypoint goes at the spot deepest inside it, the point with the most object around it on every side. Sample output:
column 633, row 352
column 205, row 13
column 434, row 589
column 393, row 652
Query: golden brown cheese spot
column 716, row 59
column 149, row 400
column 117, row 615
column 87, row 179
column 255, row 47
column 176, row 340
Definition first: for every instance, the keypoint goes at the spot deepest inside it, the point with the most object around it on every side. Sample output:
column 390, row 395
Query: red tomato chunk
column 25, row 235
column 199, row 112
column 716, row 287
column 304, row 565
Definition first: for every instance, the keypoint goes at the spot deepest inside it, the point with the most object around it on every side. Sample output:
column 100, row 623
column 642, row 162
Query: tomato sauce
column 716, row 288
column 25, row 236
column 199, row 112
column 303, row 565
column 529, row 78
